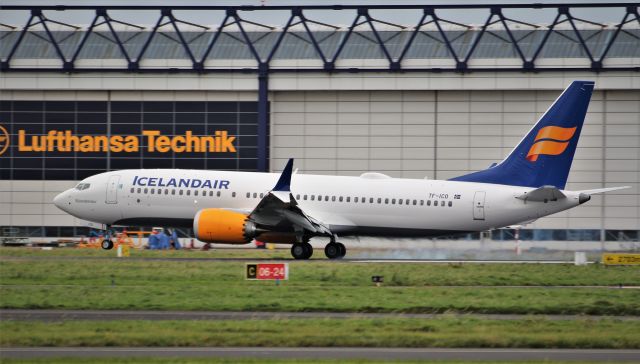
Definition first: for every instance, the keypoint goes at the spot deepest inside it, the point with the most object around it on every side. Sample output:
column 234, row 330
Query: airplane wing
column 279, row 209
column 548, row 193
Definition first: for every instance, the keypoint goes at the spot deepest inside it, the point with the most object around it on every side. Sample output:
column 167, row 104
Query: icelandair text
column 180, row 182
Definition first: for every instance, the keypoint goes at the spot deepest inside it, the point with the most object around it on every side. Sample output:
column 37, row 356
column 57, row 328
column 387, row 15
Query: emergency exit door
column 112, row 189
column 478, row 206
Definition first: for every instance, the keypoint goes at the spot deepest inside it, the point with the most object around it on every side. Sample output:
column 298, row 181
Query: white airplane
column 237, row 207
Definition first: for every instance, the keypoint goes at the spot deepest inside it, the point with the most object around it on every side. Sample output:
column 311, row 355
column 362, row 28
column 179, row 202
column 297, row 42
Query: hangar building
column 433, row 99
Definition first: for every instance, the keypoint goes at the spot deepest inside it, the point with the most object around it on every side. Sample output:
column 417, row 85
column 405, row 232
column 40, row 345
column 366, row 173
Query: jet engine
column 223, row 226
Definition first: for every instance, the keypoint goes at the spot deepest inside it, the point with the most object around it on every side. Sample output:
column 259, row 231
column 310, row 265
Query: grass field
column 29, row 280
column 388, row 332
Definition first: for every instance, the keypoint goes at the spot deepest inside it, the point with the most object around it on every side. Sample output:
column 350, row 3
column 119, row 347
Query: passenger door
column 478, row 205
column 112, row 189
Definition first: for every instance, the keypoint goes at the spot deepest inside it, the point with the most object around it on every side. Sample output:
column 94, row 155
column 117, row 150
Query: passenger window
column 304, row 197
column 132, row 189
column 297, row 196
column 153, row 191
column 313, row 197
column 421, row 202
column 255, row 195
column 219, row 193
column 173, row 192
column 355, row 199
column 400, row 202
column 261, row 195
column 435, row 203
column 210, row 193
column 319, row 197
column 248, row 194
column 188, row 192
column 181, row 192
column 450, row 203
column 371, row 200
column 407, row 201
column 139, row 189
column 233, row 194
column 340, row 199
column 326, row 198
column 386, row 201
column 428, row 202
column 146, row 190
column 415, row 202
column 393, row 201
column 379, row 200
column 348, row 199
column 166, row 192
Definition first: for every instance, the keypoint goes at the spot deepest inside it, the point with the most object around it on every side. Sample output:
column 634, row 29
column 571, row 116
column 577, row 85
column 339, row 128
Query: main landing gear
column 335, row 250
column 302, row 250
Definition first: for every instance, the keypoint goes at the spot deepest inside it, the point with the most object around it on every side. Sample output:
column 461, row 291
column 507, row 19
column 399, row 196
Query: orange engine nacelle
column 223, row 226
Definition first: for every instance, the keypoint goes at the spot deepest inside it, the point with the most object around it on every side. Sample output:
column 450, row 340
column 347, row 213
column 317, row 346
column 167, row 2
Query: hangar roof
column 427, row 44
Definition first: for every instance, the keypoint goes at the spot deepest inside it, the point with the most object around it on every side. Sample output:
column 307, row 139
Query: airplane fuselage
column 371, row 204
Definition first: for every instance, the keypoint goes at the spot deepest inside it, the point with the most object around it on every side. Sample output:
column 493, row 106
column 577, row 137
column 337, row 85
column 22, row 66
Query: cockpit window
column 82, row 186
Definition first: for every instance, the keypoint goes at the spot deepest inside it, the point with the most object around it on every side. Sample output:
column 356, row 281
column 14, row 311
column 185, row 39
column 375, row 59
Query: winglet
column 284, row 183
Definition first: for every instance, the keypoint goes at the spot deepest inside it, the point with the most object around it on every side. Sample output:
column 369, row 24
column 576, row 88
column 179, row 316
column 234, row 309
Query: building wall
column 443, row 134
column 405, row 125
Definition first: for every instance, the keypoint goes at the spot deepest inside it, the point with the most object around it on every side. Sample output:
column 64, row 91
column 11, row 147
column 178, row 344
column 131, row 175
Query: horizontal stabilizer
column 603, row 190
column 544, row 193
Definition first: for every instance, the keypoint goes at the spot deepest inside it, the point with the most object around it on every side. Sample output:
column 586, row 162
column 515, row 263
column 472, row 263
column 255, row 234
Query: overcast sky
column 406, row 17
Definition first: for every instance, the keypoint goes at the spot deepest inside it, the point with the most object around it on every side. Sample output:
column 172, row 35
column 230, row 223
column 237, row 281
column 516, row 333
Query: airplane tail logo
column 550, row 140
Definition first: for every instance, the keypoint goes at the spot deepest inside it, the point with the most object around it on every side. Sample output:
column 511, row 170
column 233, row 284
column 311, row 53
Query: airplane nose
column 60, row 200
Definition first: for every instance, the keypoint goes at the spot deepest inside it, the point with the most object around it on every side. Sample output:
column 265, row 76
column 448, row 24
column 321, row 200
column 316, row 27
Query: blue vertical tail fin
column 543, row 157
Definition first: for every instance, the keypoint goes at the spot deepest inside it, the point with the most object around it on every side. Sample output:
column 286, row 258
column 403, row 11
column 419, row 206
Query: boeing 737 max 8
column 237, row 207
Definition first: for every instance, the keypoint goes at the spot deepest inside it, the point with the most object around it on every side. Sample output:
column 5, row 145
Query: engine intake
column 223, row 226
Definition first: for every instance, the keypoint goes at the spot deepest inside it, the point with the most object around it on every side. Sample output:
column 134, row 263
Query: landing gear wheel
column 343, row 250
column 106, row 244
column 301, row 250
column 332, row 250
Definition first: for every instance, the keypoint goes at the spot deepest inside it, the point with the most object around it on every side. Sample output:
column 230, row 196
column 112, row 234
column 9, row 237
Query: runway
column 111, row 315
column 327, row 353
column 273, row 260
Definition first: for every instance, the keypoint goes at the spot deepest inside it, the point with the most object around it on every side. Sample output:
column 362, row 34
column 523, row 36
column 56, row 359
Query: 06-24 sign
column 267, row 271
